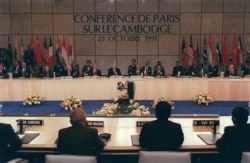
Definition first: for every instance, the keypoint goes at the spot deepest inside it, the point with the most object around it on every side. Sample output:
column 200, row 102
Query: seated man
column 230, row 71
column 9, row 141
column 161, row 134
column 114, row 71
column 16, row 68
column 59, row 69
column 132, row 68
column 3, row 72
column 79, row 139
column 159, row 71
column 236, row 138
column 177, row 69
column 70, row 72
column 146, row 69
column 86, row 69
column 24, row 71
column 213, row 69
column 95, row 71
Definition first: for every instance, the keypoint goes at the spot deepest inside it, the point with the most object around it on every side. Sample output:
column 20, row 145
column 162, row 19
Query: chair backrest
column 49, row 158
column 164, row 157
column 245, row 157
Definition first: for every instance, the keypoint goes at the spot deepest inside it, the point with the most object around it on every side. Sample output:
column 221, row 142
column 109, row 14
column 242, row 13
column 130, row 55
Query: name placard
column 34, row 122
column 206, row 122
column 95, row 123
column 140, row 123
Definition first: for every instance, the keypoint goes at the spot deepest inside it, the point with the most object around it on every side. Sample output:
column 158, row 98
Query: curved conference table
column 147, row 88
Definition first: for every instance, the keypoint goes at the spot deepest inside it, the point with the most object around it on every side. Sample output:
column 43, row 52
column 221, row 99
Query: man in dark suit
column 230, row 71
column 177, row 69
column 9, row 141
column 75, row 67
column 79, row 139
column 114, row 71
column 3, row 72
column 16, row 68
column 87, row 68
column 161, row 134
column 146, row 69
column 24, row 71
column 95, row 71
column 70, row 72
column 59, row 69
column 213, row 69
column 159, row 71
column 132, row 68
column 236, row 138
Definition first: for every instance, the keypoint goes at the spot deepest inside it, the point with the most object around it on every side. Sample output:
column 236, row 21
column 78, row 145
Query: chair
column 245, row 157
column 49, row 158
column 164, row 157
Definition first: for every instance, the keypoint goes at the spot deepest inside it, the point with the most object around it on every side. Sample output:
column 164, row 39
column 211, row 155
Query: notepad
column 209, row 139
column 28, row 137
column 135, row 140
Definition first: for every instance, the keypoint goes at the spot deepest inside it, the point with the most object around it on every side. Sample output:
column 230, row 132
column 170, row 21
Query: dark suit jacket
column 111, row 72
column 149, row 71
column 132, row 70
column 79, row 140
column 176, row 69
column 25, row 74
column 47, row 74
column 8, row 138
column 213, row 70
column 15, row 71
column 73, row 74
column 97, row 72
column 59, row 70
column 4, row 74
column 161, row 135
column 161, row 73
column 227, row 73
column 235, row 138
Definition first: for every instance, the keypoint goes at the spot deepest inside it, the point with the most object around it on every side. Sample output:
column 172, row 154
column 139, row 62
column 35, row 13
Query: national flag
column 64, row 52
column 196, row 50
column 248, row 48
column 51, row 56
column 234, row 52
column 38, row 55
column 17, row 50
column 21, row 50
column 209, row 50
column 239, row 52
column 45, row 52
column 70, row 51
column 218, row 50
column 182, row 53
column 58, row 51
column 10, row 50
column 204, row 54
column 224, row 52
column 190, row 51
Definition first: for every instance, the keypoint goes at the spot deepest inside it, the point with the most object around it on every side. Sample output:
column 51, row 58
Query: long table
column 121, row 129
column 222, row 89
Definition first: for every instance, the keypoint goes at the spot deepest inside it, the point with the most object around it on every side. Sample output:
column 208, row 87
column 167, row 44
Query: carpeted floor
column 223, row 108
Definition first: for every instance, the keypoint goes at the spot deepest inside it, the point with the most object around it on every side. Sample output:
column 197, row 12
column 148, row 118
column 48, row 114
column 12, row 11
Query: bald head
column 77, row 116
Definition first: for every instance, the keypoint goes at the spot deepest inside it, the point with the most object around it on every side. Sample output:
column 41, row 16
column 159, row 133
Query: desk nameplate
column 95, row 123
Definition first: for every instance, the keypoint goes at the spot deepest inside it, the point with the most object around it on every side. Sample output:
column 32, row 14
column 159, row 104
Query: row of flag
column 191, row 53
column 45, row 54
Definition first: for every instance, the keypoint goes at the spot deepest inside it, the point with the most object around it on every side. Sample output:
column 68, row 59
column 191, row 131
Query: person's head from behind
column 239, row 116
column 77, row 116
column 163, row 110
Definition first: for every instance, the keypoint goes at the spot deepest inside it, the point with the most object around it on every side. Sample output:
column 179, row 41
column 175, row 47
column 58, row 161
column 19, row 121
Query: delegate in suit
column 9, row 141
column 161, row 134
column 79, row 139
column 236, row 138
